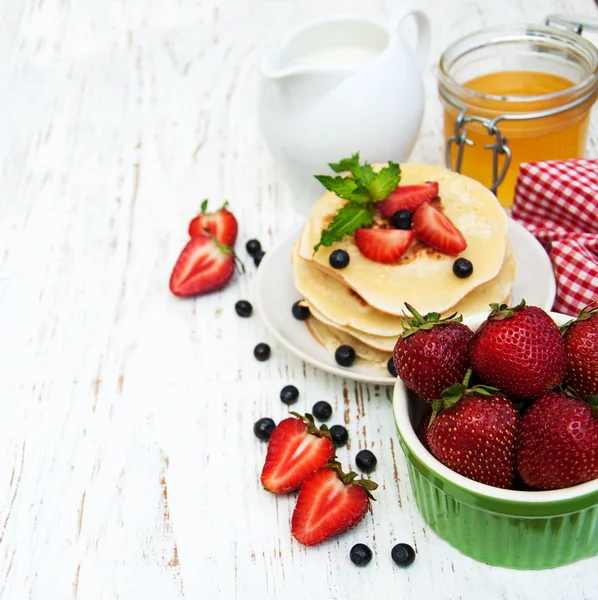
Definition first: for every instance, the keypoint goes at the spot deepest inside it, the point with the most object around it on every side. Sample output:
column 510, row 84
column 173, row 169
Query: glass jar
column 516, row 94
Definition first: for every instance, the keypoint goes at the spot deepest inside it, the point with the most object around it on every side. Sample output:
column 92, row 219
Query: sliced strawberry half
column 330, row 502
column 407, row 197
column 383, row 245
column 203, row 266
column 435, row 229
column 296, row 449
column 222, row 224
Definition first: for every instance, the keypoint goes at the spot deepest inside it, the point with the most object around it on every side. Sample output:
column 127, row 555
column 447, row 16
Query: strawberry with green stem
column 518, row 350
column 297, row 448
column 222, row 224
column 330, row 502
column 431, row 353
column 474, row 432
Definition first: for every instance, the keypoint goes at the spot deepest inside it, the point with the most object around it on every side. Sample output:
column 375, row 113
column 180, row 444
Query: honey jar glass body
column 513, row 95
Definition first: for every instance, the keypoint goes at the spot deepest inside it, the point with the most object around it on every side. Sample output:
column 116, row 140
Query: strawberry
column 422, row 430
column 407, row 197
column 431, row 353
column 296, row 449
column 383, row 245
column 519, row 350
column 581, row 352
column 558, row 443
column 476, row 434
column 203, row 266
column 221, row 224
column 435, row 229
column 330, row 502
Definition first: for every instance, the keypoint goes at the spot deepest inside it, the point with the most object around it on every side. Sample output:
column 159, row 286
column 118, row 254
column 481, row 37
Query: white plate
column 275, row 294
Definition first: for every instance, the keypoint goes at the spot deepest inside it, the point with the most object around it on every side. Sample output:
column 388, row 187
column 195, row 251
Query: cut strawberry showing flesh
column 297, row 448
column 383, row 245
column 204, row 265
column 407, row 197
column 436, row 230
column 330, row 502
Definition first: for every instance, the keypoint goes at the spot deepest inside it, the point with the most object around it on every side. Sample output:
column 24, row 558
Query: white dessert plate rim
column 274, row 289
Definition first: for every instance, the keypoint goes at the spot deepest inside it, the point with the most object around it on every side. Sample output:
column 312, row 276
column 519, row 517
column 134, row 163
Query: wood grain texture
column 128, row 466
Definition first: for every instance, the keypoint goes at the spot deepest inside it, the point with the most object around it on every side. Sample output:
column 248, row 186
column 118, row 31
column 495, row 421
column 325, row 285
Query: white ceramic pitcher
column 337, row 86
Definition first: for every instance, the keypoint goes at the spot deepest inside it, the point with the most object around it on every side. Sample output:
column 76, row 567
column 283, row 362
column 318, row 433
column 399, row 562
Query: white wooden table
column 128, row 465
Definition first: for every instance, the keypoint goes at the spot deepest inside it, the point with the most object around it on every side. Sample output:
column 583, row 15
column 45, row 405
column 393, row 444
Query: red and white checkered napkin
column 557, row 201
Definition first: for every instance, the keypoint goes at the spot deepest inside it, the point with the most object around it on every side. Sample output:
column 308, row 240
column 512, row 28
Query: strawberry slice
column 221, row 224
column 407, row 197
column 330, row 502
column 435, row 229
column 203, row 266
column 296, row 449
column 383, row 245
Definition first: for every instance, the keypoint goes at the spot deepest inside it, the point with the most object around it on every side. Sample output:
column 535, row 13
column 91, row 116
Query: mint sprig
column 362, row 189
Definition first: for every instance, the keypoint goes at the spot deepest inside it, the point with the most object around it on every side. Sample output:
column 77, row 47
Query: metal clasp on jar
column 500, row 146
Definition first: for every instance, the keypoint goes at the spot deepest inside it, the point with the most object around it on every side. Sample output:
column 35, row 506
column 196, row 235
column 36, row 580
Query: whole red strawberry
column 222, row 224
column 558, row 442
column 519, row 350
column 476, row 436
column 581, row 352
column 330, row 502
column 297, row 448
column 431, row 354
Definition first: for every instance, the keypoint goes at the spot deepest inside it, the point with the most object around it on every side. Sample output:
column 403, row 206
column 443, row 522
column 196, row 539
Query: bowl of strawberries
column 498, row 420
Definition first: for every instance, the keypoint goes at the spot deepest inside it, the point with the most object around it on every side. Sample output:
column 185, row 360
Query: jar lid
column 573, row 23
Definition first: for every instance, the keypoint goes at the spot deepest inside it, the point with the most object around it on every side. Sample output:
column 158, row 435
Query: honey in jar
column 536, row 85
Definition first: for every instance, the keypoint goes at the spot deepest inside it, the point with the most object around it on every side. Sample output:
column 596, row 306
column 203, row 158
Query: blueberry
column 339, row 435
column 257, row 257
column 402, row 219
column 462, row 268
column 253, row 247
column 322, row 410
column 360, row 555
column 300, row 311
column 263, row 428
column 390, row 365
column 366, row 461
column 339, row 259
column 262, row 351
column 244, row 308
column 289, row 394
column 344, row 355
column 403, row 554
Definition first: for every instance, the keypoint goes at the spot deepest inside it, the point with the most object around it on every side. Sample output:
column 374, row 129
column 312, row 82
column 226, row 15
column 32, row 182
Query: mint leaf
column 348, row 218
column 345, row 187
column 345, row 164
column 363, row 173
column 385, row 182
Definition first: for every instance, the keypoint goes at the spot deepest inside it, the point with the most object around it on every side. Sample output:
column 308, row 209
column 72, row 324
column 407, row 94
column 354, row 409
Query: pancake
column 339, row 306
column 423, row 277
column 378, row 342
column 331, row 339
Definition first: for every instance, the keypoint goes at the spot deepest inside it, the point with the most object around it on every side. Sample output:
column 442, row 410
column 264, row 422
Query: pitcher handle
column 422, row 23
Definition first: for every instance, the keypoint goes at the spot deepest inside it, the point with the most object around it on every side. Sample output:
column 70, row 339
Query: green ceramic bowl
column 521, row 530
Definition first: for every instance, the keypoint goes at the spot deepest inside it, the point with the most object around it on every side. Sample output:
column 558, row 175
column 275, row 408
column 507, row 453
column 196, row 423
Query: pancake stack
column 361, row 305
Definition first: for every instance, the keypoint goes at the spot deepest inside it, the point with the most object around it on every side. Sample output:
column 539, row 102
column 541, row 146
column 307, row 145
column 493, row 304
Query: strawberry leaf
column 386, row 181
column 204, row 206
column 348, row 218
